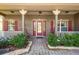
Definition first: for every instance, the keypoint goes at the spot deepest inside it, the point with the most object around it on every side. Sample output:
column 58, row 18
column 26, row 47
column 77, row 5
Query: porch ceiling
column 9, row 12
column 34, row 8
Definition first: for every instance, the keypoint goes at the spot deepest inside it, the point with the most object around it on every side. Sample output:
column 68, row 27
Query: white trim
column 63, row 21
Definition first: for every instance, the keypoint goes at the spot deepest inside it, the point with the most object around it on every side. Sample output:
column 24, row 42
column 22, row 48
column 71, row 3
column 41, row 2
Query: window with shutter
column 64, row 25
column 5, row 25
column 16, row 25
column 52, row 28
column 69, row 25
column 11, row 24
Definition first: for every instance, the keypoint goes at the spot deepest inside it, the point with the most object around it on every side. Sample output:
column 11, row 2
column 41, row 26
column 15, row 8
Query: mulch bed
column 8, row 49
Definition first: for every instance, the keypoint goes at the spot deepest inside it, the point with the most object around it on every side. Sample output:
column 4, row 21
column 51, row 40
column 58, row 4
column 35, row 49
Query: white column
column 23, row 23
column 36, row 28
column 56, row 12
column 60, row 25
column 1, row 24
column 23, row 12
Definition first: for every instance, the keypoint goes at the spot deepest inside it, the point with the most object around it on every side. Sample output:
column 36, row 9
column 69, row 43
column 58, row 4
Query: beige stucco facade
column 67, row 12
column 29, row 21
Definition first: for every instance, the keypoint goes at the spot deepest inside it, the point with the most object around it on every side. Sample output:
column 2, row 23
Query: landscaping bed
column 20, row 51
column 66, row 41
column 14, row 43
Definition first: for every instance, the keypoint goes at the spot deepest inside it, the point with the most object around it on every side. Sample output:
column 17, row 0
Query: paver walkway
column 39, row 48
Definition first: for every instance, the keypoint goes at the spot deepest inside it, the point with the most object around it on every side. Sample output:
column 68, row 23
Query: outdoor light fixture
column 66, row 11
column 40, row 12
column 12, row 11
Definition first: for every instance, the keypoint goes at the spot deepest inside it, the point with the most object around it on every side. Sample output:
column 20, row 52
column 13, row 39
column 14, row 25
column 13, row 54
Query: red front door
column 39, row 28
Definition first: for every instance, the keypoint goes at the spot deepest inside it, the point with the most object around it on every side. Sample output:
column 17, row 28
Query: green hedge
column 65, row 40
column 19, row 41
column 52, row 39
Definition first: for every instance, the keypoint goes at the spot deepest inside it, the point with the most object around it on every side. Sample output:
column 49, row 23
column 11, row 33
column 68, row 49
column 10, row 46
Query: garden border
column 62, row 48
column 20, row 51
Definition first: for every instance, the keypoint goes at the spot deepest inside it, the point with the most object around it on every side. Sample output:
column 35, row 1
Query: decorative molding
column 22, row 11
column 56, row 12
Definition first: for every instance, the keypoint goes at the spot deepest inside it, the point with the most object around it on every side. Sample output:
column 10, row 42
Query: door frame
column 35, row 32
column 41, row 28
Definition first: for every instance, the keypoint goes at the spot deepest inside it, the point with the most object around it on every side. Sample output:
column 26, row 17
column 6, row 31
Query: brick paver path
column 39, row 48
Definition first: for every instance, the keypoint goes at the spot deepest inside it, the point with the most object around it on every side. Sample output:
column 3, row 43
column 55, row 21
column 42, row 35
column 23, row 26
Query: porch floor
column 39, row 48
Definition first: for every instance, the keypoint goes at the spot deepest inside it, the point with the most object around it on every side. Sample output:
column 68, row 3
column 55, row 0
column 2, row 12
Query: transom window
column 64, row 25
column 11, row 24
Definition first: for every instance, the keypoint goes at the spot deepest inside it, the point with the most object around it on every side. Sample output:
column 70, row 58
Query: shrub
column 52, row 40
column 68, row 40
column 61, row 40
column 4, row 43
column 18, row 41
column 76, row 39
column 65, row 40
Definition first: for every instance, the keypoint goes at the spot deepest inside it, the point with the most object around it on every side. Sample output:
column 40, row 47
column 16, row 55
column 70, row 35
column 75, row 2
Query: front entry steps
column 39, row 36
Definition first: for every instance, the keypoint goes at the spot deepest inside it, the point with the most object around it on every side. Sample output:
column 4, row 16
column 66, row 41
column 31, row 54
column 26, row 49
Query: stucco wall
column 29, row 22
column 76, row 22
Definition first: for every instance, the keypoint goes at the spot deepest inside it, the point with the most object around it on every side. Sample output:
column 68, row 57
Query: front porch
column 38, row 21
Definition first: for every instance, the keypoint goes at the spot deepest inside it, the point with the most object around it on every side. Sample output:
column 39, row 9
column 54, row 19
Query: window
column 35, row 26
column 39, row 27
column 11, row 24
column 64, row 25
